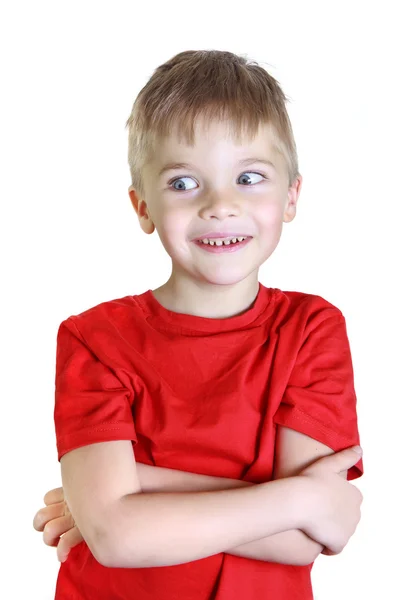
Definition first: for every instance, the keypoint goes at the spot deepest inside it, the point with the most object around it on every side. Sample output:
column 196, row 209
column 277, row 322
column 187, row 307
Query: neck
column 203, row 299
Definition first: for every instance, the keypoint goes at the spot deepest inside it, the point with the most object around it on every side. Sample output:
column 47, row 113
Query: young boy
column 169, row 401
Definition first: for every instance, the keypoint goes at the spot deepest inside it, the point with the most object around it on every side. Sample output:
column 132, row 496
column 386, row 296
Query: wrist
column 293, row 501
column 305, row 495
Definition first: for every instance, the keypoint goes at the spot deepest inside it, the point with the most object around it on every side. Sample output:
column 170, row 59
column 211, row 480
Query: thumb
column 343, row 460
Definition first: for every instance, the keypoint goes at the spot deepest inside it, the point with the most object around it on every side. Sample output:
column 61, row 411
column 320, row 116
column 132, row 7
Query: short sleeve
column 320, row 400
column 91, row 404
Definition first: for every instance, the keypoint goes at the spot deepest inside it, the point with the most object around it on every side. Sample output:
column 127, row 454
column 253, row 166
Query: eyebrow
column 172, row 166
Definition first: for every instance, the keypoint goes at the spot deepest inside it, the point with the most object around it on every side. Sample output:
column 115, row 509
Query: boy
column 211, row 382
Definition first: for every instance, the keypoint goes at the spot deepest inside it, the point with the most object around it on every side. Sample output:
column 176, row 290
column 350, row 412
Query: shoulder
column 305, row 307
column 299, row 315
column 114, row 307
column 310, row 302
column 104, row 316
column 104, row 330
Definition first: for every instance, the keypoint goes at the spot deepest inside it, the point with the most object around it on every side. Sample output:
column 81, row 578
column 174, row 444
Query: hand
column 55, row 520
column 333, row 504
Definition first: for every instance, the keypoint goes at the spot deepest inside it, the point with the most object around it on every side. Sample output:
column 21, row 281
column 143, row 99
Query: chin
column 226, row 277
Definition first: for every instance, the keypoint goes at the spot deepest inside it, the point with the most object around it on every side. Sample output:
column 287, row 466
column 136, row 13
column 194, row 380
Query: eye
column 180, row 184
column 251, row 173
column 182, row 188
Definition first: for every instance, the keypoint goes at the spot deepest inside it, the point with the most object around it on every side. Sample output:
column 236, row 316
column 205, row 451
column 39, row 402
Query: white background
column 70, row 238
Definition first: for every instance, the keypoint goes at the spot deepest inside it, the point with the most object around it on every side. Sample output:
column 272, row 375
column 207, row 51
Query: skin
column 214, row 195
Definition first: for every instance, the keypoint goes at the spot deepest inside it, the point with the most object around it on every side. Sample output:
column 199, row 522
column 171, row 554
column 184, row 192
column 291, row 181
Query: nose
column 220, row 205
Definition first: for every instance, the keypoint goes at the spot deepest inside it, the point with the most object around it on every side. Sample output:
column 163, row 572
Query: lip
column 217, row 234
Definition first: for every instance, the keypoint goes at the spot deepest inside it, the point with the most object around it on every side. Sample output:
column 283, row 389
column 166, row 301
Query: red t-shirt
column 202, row 395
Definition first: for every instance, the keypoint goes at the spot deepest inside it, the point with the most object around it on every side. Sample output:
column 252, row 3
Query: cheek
column 270, row 217
column 174, row 224
column 173, row 228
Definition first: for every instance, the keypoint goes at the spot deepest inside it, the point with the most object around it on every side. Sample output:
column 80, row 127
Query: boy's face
column 216, row 194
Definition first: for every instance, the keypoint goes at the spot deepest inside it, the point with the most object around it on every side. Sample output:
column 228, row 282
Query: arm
column 288, row 547
column 125, row 527
column 294, row 452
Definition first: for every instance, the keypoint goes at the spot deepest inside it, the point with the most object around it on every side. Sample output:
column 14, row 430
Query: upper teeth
column 220, row 241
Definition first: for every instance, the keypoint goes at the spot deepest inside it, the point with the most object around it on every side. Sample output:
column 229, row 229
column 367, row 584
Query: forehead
column 216, row 135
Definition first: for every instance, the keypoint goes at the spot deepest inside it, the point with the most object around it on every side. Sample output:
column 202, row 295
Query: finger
column 52, row 496
column 55, row 528
column 69, row 540
column 48, row 513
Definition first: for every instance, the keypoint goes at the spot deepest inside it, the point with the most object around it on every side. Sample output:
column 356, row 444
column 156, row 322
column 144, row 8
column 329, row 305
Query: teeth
column 224, row 241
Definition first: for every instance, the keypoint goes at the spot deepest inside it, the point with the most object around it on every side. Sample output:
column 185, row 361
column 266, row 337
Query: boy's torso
column 203, row 403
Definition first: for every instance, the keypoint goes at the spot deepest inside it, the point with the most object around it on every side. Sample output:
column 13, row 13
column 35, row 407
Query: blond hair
column 213, row 84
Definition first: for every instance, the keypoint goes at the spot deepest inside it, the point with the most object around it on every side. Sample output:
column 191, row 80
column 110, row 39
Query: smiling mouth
column 223, row 245
column 219, row 241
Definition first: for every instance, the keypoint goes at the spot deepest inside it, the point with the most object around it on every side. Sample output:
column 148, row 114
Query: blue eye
column 181, row 188
column 252, row 173
column 179, row 179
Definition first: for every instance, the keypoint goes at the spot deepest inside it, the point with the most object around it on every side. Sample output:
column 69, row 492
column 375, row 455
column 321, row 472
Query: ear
column 141, row 210
column 293, row 196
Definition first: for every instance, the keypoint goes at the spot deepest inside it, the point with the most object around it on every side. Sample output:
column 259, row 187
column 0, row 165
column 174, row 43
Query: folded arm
column 288, row 547
column 125, row 527
column 294, row 452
